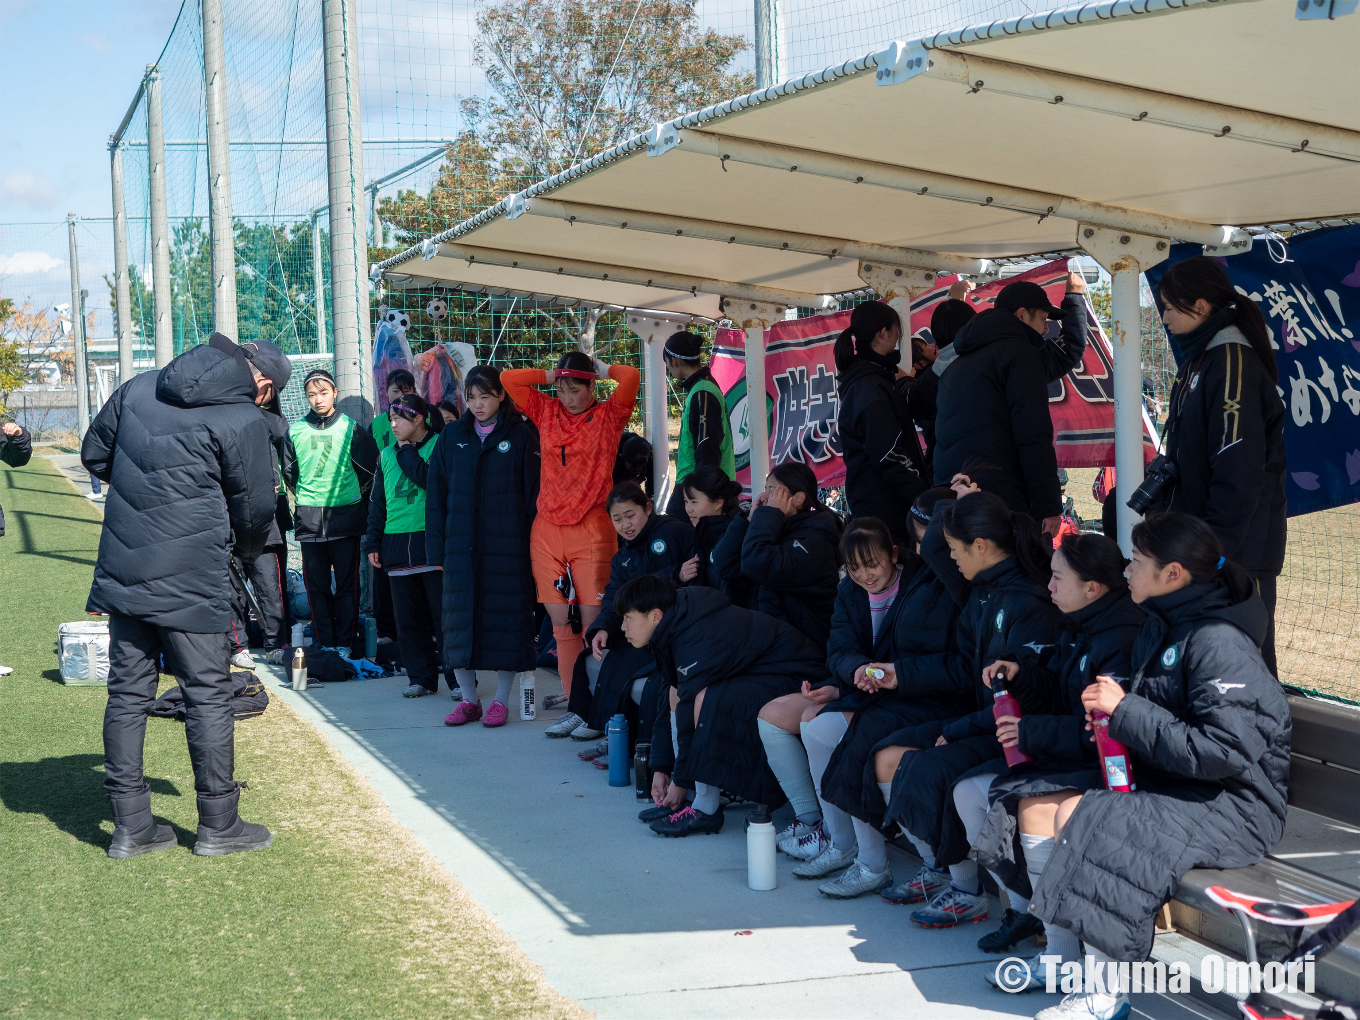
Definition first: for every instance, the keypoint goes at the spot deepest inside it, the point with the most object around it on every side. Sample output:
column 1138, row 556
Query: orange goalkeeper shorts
column 586, row 547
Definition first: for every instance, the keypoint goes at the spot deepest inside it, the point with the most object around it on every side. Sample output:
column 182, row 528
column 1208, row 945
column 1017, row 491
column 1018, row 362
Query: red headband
column 574, row 373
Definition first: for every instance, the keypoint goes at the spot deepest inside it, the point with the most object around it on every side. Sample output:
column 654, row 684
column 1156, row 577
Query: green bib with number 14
column 325, row 475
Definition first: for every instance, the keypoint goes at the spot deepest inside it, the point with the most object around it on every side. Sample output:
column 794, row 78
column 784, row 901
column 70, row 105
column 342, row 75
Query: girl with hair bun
column 1208, row 730
column 884, row 467
column 994, row 563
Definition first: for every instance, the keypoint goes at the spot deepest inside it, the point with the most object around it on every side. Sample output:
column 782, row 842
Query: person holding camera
column 1223, row 457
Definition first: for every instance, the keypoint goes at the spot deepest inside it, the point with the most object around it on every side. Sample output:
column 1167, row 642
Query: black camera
column 1161, row 475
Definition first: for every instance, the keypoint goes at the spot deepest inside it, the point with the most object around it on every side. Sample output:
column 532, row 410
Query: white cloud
column 24, row 262
column 28, row 189
column 96, row 42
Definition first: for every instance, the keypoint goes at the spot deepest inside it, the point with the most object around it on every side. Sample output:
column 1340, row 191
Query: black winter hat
column 270, row 360
column 1025, row 294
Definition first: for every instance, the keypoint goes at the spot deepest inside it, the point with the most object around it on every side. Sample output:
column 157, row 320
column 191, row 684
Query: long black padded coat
column 796, row 562
column 480, row 500
column 918, row 637
column 659, row 548
column 717, row 543
column 741, row 660
column 1209, row 731
column 191, row 465
column 1005, row 615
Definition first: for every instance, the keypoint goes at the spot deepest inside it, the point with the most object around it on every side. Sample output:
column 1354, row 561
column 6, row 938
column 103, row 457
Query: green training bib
column 325, row 475
column 405, row 499
column 684, row 457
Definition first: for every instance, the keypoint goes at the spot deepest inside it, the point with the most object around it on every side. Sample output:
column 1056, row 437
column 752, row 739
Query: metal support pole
column 345, row 174
column 121, row 289
column 765, row 49
column 78, row 334
column 898, row 287
column 656, row 414
column 1125, row 256
column 160, row 222
column 318, row 284
column 219, row 171
column 755, row 317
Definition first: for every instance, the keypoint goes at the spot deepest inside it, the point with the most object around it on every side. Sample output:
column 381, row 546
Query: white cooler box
column 83, row 650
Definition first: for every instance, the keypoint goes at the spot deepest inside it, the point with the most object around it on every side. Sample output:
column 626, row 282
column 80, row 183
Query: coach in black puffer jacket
column 743, row 660
column 191, row 463
column 1209, row 730
column 795, row 560
column 992, row 405
column 480, row 500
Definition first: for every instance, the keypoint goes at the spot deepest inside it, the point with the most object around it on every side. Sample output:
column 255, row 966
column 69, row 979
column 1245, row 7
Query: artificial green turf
column 343, row 917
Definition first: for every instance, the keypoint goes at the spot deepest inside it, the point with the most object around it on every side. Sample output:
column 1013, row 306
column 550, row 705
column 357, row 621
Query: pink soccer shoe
column 466, row 712
column 496, row 715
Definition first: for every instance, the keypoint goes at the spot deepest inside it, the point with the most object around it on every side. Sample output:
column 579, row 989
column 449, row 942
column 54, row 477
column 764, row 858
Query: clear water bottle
column 527, row 709
column 761, row 874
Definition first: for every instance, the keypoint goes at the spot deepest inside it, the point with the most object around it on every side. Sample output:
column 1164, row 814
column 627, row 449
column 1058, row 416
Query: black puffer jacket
column 659, row 548
column 742, row 660
column 285, row 466
column 992, row 406
column 717, row 543
column 189, row 459
column 1228, row 443
column 1209, row 731
column 16, row 451
column 1096, row 641
column 796, row 562
column 480, row 500
column 921, row 403
column 884, row 469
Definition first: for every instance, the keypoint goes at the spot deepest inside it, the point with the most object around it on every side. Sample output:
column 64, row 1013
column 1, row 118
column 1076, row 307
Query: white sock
column 789, row 763
column 873, row 848
column 922, row 847
column 505, row 679
column 820, row 737
column 1112, row 982
column 972, row 802
column 467, row 683
column 1038, row 849
column 705, row 798
column 964, row 876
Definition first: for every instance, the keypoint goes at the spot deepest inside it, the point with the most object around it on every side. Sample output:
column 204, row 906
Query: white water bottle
column 760, row 850
column 527, row 708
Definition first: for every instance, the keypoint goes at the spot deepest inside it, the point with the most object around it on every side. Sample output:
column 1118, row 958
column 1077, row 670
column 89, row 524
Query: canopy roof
column 1188, row 119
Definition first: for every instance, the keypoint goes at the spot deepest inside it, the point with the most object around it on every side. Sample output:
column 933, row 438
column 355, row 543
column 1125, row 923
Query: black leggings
column 335, row 617
column 417, row 604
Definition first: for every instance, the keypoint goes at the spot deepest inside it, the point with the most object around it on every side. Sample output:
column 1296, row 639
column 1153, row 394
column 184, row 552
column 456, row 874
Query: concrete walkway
column 627, row 923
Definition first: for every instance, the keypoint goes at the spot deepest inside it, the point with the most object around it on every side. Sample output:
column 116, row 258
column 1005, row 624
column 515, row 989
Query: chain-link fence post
column 78, row 334
column 122, row 293
column 219, row 172
column 162, row 301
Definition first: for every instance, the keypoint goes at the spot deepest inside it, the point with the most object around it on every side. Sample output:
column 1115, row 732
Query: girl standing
column 479, row 510
column 330, row 470
column 395, row 541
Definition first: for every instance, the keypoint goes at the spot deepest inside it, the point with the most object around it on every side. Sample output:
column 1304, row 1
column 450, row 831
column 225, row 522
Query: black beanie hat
column 684, row 346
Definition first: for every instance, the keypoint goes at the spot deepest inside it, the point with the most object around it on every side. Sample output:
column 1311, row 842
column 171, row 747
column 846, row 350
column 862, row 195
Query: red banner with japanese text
column 800, row 385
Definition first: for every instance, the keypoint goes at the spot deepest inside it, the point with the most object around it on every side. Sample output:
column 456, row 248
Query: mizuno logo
column 1036, row 648
column 684, row 670
column 461, row 445
column 626, row 562
column 799, row 545
column 1224, row 688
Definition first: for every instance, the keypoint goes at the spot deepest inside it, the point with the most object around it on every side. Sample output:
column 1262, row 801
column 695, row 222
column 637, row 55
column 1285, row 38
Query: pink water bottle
column 1113, row 755
column 1005, row 703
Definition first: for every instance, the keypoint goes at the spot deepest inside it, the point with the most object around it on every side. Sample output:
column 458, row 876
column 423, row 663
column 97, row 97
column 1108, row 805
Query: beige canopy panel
column 1185, row 119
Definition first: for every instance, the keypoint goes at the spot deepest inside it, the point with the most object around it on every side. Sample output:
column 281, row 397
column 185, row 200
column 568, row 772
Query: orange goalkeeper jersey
column 578, row 450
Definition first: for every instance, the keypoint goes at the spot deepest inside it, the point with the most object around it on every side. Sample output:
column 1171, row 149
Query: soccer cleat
column 802, row 840
column 496, row 715
column 466, row 712
column 564, row 725
column 688, row 822
column 275, row 656
column 856, row 881
column 1088, row 1006
column 825, row 863
column 554, row 701
column 600, row 750
column 1034, row 974
column 927, row 884
column 415, row 691
column 243, row 660
column 951, row 907
column 584, row 732
column 1016, row 926
column 651, row 814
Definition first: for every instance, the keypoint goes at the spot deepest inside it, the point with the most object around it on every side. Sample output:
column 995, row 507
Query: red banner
column 801, row 398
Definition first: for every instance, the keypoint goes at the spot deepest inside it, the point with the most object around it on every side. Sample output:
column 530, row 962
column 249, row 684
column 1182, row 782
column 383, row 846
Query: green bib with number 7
column 325, row 475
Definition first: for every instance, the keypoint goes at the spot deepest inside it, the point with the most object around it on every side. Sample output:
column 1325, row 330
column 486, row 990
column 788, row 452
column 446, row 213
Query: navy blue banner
column 1308, row 289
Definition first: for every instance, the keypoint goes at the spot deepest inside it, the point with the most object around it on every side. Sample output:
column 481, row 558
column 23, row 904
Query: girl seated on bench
column 1209, row 731
column 712, row 505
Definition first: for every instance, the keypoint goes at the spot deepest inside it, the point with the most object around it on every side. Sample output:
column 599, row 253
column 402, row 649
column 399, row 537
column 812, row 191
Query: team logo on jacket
column 1223, row 687
column 659, row 546
column 1169, row 657
column 1194, row 380
column 504, row 445
column 684, row 670
column 799, row 545
column 1000, row 616
column 1082, row 664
